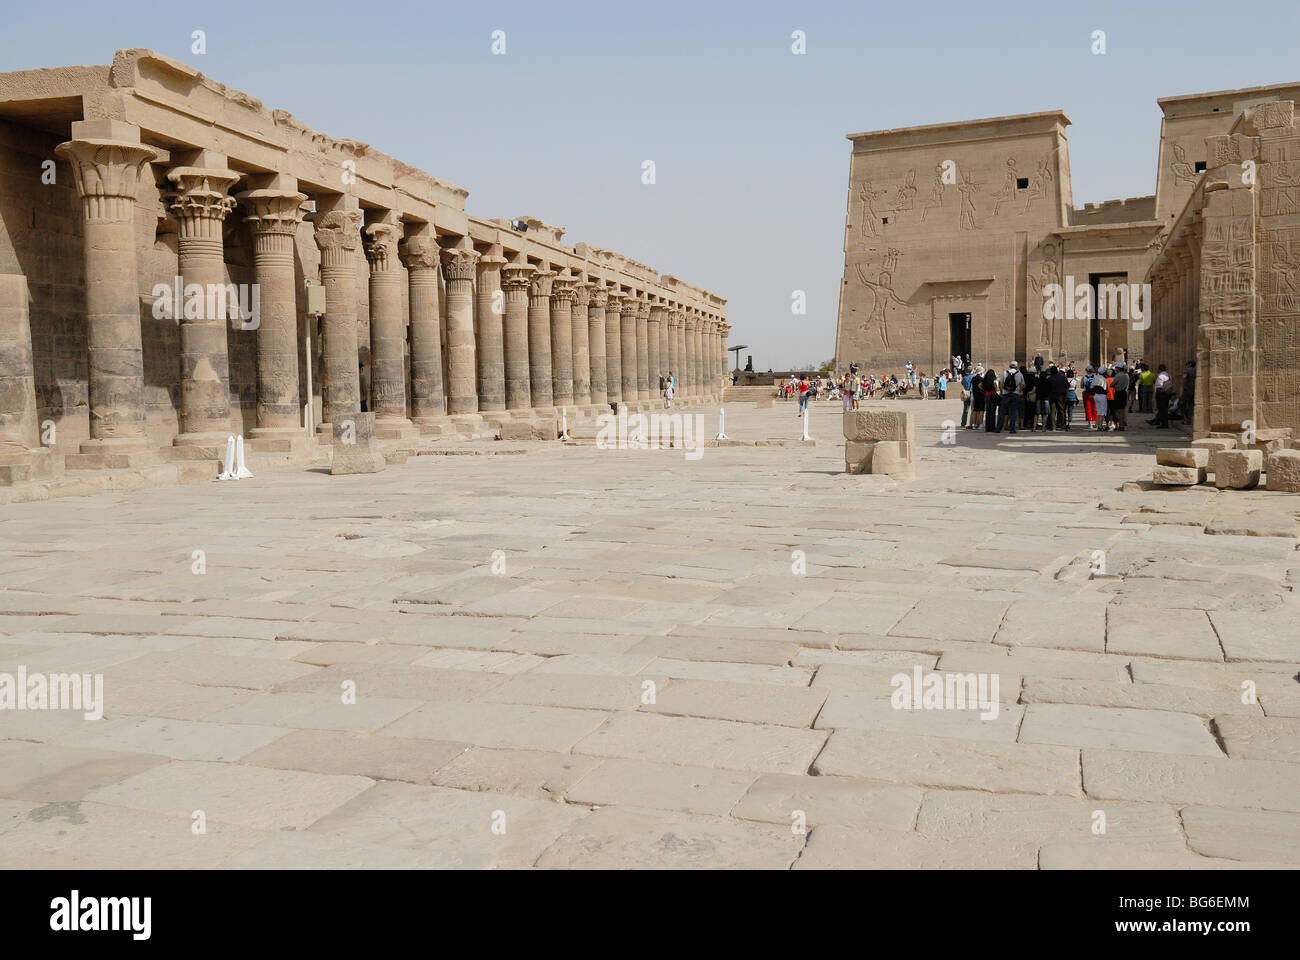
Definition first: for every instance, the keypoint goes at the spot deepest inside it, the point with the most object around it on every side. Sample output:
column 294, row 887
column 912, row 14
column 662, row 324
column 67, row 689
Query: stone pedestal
column 200, row 205
column 596, row 344
column 274, row 216
column 880, row 442
column 459, row 265
column 490, row 315
column 420, row 255
column 354, row 449
column 539, row 339
column 107, row 159
column 517, row 278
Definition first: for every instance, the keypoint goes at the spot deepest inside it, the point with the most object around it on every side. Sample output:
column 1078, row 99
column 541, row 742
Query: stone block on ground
column 515, row 430
column 354, row 449
column 893, row 458
column 872, row 425
column 857, row 456
column 1214, row 444
column 1183, row 457
column 1283, row 470
column 1178, row 476
column 1238, row 469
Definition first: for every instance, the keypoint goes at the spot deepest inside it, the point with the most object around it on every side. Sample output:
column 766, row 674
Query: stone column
column 701, row 385
column 106, row 159
column 711, row 356
column 387, row 330
column 562, row 339
column 674, row 345
column 539, row 339
column 491, row 327
column 200, row 205
column 643, row 349
column 627, row 348
column 337, row 236
column 19, row 432
column 274, row 218
column 517, row 278
column 654, row 335
column 596, row 343
column 458, row 265
column 688, row 356
column 420, row 254
column 613, row 345
column 581, row 344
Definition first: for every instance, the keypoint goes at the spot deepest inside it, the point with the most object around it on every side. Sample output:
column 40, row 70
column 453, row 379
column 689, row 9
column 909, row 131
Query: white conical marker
column 241, row 472
column 722, row 421
column 806, row 410
column 228, row 468
column 564, row 424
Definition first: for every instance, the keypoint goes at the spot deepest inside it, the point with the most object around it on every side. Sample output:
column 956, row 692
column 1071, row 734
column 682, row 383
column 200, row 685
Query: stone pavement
column 574, row 657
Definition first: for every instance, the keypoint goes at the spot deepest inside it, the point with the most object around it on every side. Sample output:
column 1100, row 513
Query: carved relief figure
column 1049, row 272
column 869, row 196
column 882, row 290
column 936, row 193
column 1184, row 172
column 1008, row 191
column 1288, row 198
column 905, row 198
column 1038, row 184
column 968, row 188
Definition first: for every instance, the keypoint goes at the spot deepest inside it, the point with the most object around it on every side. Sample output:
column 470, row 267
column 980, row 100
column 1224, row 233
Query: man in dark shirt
column 1059, row 384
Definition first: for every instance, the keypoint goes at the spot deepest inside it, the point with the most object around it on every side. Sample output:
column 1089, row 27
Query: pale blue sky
column 748, row 139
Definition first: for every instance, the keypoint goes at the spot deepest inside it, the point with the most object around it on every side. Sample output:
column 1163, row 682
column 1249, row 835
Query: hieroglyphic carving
column 1008, row 192
column 1049, row 257
column 1281, row 195
column 882, row 290
column 905, row 198
column 1279, row 275
column 936, row 193
column 967, row 188
column 1038, row 183
column 1184, row 172
column 869, row 195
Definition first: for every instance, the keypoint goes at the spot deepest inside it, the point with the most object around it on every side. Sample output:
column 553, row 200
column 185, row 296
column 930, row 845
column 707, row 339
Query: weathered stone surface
column 873, row 425
column 778, row 797
column 1262, row 836
column 338, row 752
column 1237, row 469
column 970, row 815
column 1167, row 778
column 1214, row 445
column 660, row 786
column 1182, row 457
column 1088, row 726
column 622, row 838
column 705, row 743
column 948, row 762
column 1178, row 476
column 835, row 847
column 894, row 459
column 1283, row 471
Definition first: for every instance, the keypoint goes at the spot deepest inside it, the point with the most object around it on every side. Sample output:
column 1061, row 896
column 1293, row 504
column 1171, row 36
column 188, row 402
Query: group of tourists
column 1044, row 396
column 1041, row 395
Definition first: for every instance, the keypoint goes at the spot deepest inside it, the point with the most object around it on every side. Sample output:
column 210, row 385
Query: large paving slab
column 655, row 679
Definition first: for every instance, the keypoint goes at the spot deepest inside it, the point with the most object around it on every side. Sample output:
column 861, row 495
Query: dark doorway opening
column 958, row 335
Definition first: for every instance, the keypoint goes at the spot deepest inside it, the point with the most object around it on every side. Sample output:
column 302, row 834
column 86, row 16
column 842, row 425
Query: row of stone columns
column 518, row 336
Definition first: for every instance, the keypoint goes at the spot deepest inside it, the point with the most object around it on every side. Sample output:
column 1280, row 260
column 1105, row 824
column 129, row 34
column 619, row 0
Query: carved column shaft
column 562, row 340
column 107, row 174
column 200, row 205
column 274, row 218
column 581, row 344
column 517, row 278
column 539, row 339
column 653, row 336
column 643, row 350
column 491, row 331
column 459, row 268
column 674, row 346
column 420, row 255
column 337, row 236
column 596, row 345
column 627, row 343
column 387, row 324
column 691, row 373
column 613, row 347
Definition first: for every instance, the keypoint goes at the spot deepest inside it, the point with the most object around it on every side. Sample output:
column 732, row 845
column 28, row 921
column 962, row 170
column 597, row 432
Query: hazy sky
column 747, row 138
